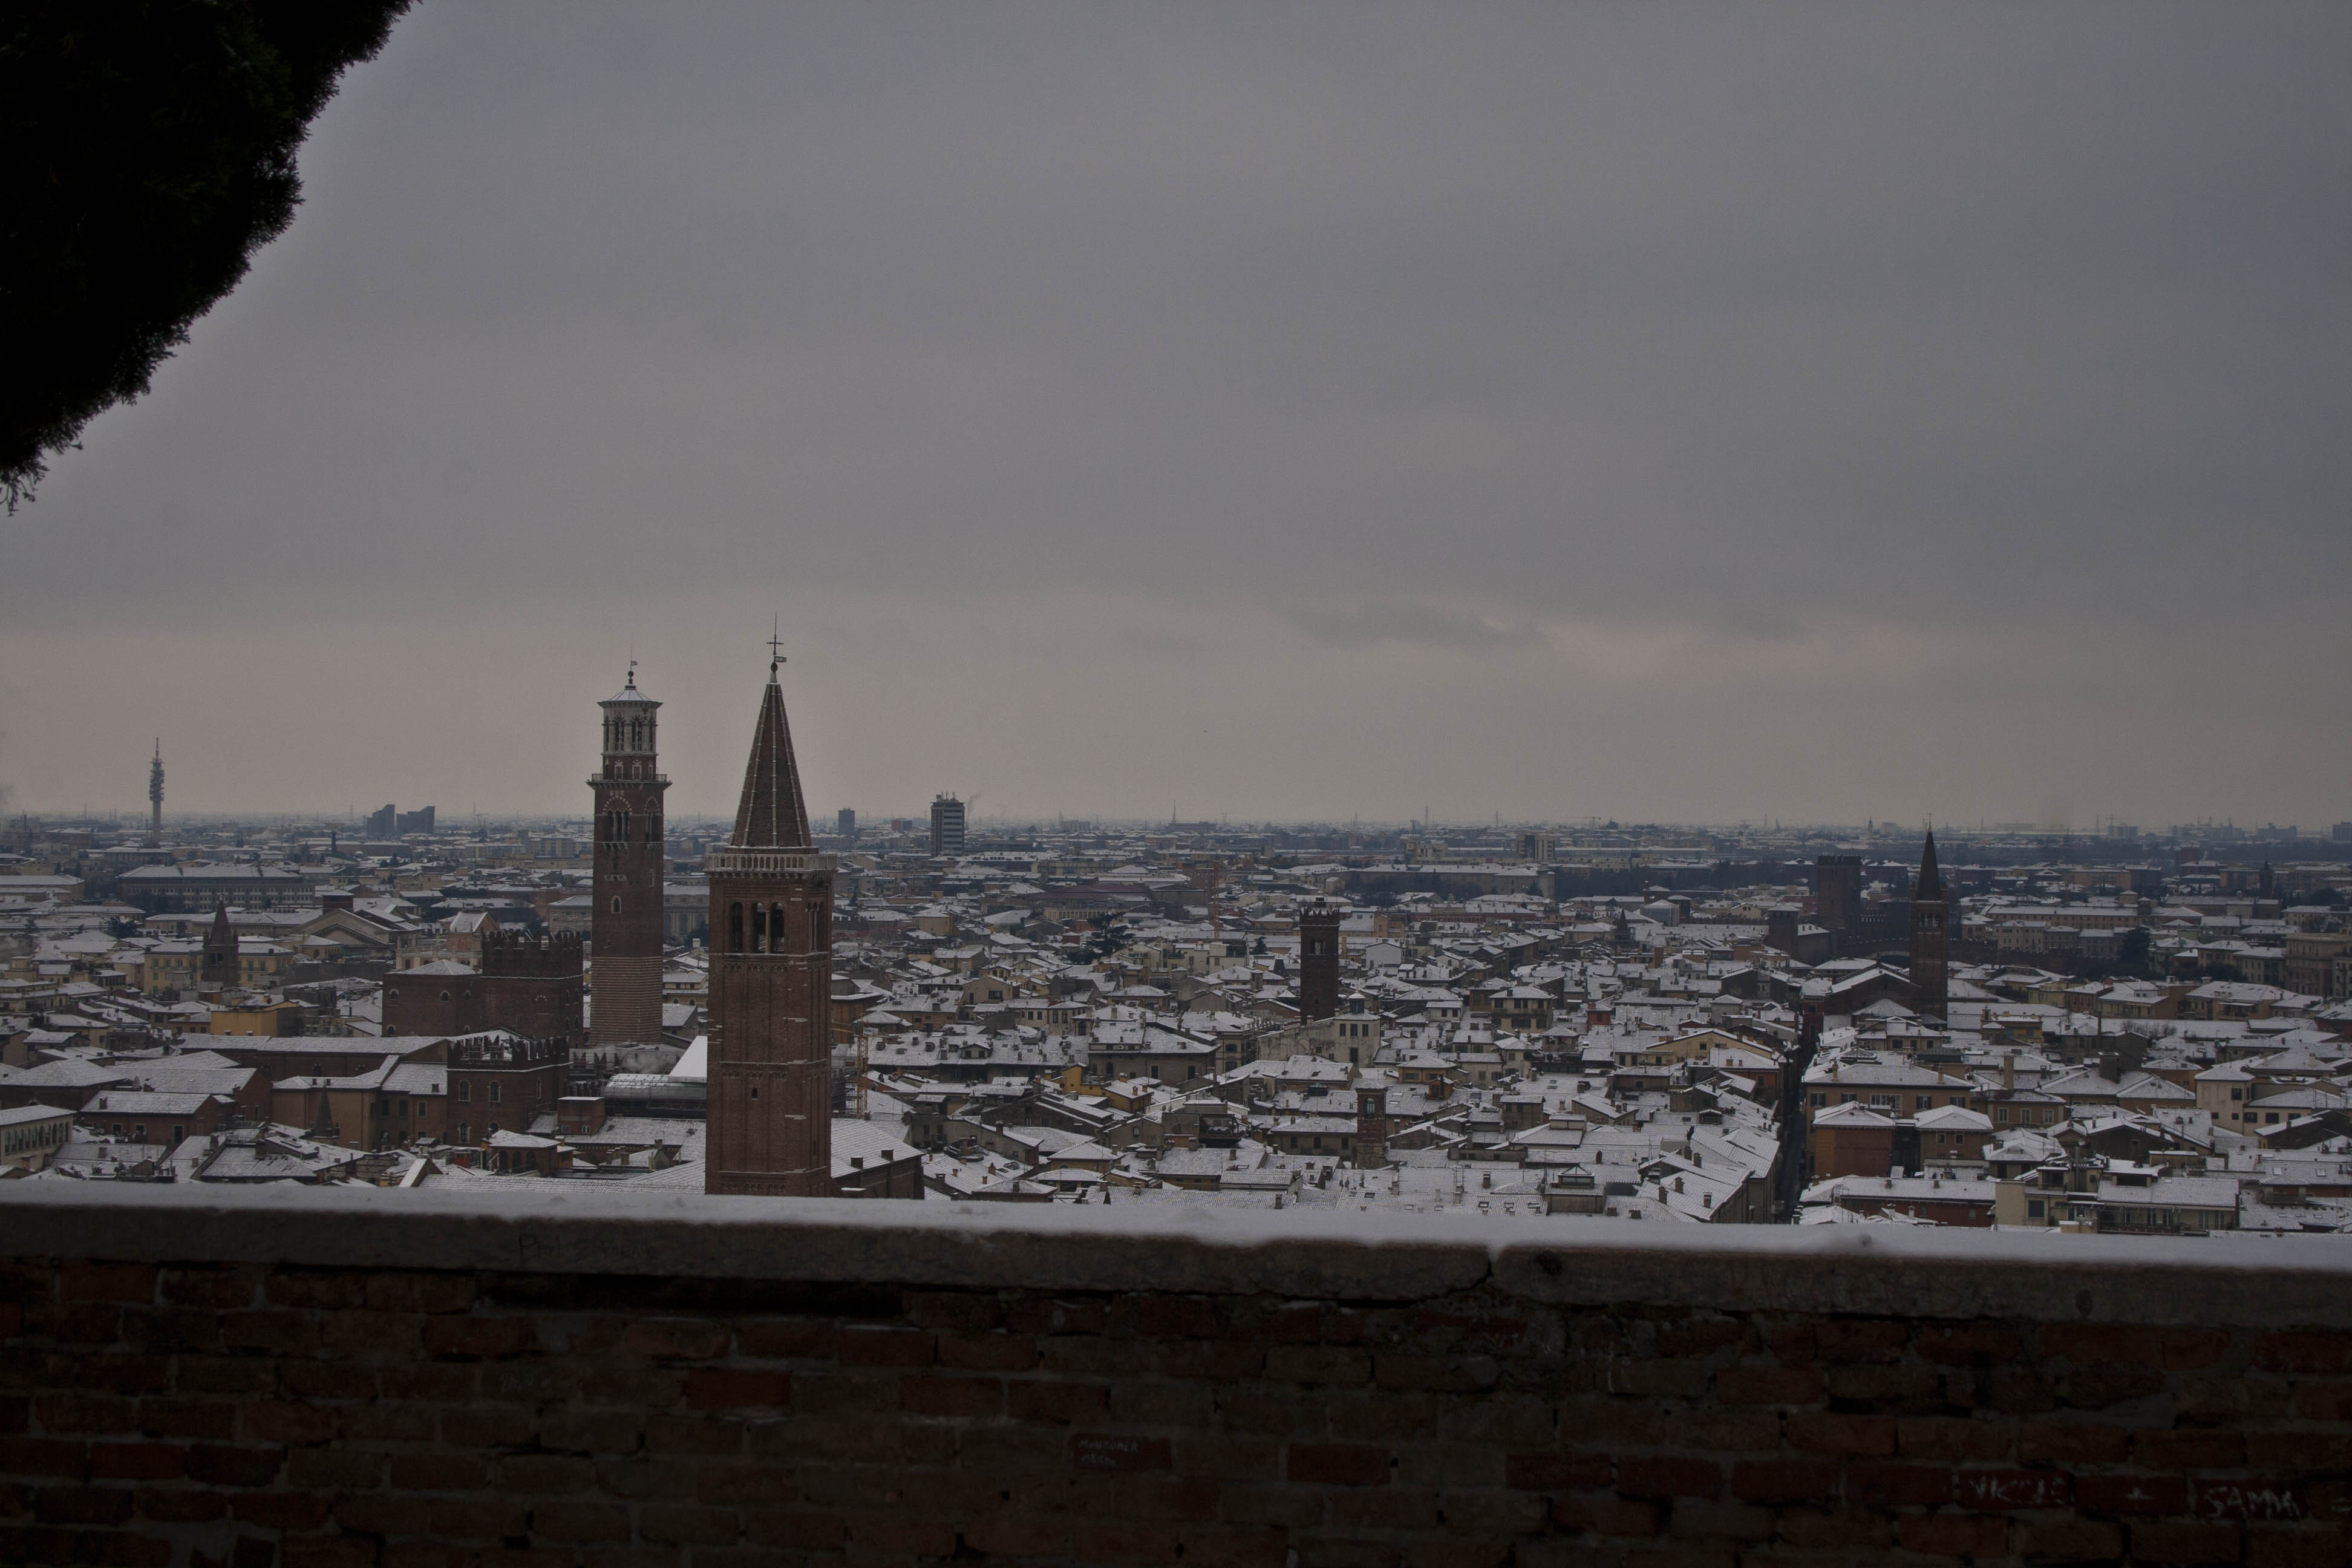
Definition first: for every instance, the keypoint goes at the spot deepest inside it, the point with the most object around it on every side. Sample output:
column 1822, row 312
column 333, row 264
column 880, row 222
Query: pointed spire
column 771, row 815
column 1930, row 885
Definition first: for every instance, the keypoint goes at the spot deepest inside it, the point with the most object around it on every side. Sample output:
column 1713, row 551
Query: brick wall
column 1437, row 1406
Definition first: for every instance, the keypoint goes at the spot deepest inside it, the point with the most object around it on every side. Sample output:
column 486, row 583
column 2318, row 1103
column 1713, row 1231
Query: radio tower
column 155, row 793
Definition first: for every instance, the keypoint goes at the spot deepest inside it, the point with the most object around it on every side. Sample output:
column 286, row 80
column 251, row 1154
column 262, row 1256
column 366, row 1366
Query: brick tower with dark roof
column 1930, row 938
column 770, row 1050
column 219, row 964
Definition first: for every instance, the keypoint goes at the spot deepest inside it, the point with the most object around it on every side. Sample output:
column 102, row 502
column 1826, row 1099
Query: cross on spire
column 776, row 645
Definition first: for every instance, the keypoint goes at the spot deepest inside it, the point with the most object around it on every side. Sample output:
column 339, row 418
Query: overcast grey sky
column 1671, row 412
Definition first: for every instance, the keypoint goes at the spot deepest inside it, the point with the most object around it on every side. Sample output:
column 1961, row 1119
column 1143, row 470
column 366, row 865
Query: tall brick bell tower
column 771, row 1129
column 1930, row 937
column 625, row 933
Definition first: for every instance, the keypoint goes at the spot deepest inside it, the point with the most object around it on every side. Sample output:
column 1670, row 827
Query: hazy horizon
column 1664, row 413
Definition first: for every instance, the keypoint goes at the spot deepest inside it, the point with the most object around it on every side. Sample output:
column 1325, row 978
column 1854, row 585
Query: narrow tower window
column 734, row 928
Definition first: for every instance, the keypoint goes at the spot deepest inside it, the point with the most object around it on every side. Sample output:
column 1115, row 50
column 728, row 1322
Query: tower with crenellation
column 625, row 924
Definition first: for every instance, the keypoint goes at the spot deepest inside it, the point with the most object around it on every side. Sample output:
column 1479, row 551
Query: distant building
column 155, row 792
column 165, row 889
column 379, row 825
column 625, row 922
column 947, row 826
column 525, row 984
column 1837, row 896
column 408, row 822
column 1319, row 961
column 845, row 822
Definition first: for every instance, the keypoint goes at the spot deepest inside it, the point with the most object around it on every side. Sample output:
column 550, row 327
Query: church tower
column 1930, row 940
column 219, row 967
column 771, row 1129
column 625, row 928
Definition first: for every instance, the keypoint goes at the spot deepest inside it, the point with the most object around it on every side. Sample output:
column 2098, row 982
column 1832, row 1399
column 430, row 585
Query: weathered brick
column 281, row 1511
column 987, row 1352
column 1317, row 1364
column 490, row 1519
column 2305, row 1351
column 223, row 1464
column 81, row 1505
column 2131, row 1494
column 2009, row 1490
column 283, row 1421
column 44, row 1457
column 1839, row 1340
column 1784, row 1480
column 333, row 1468
column 477, row 1337
column 1968, row 1344
column 2167, row 1450
column 679, row 1339
column 1928, row 1438
column 1898, row 1484
column 733, row 1388
column 1834, row 1529
column 799, row 1529
column 137, row 1461
column 1606, row 1513
column 1553, row 1471
column 783, row 1338
column 581, row 1520
column 1166, row 1317
column 967, row 1397
column 440, row 1470
column 1667, row 1476
column 2248, row 1498
column 861, row 1344
column 1953, row 1535
column 86, row 1279
column 2171, row 1541
column 398, row 1291
column 1337, row 1464
column 1819, row 1432
column 1029, row 1399
column 2072, row 1442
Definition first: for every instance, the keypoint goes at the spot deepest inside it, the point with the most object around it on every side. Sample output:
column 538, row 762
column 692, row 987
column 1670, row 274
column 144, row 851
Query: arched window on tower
column 759, row 928
column 617, row 906
column 734, row 928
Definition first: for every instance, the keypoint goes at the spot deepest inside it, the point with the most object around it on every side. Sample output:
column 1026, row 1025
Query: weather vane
column 776, row 645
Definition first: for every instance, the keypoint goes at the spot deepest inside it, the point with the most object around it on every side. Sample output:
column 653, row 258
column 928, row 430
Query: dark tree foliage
column 150, row 149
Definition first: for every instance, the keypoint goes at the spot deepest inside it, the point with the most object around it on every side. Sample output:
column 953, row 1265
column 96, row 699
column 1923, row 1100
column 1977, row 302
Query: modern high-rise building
column 1319, row 961
column 845, row 822
column 947, row 826
column 155, row 792
column 1930, row 938
column 624, row 933
column 770, row 1127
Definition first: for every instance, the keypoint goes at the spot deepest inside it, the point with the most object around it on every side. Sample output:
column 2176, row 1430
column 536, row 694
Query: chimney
column 2009, row 1071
